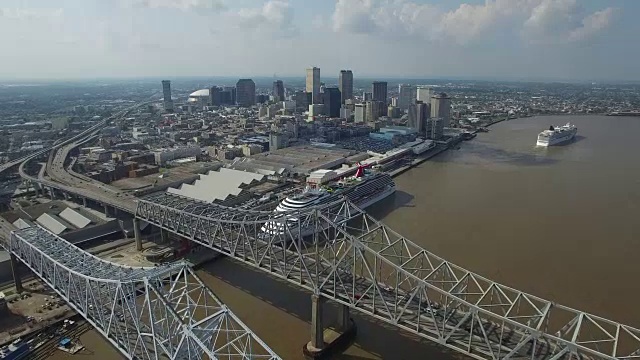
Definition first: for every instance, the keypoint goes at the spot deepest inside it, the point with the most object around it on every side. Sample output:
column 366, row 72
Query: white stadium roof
column 200, row 93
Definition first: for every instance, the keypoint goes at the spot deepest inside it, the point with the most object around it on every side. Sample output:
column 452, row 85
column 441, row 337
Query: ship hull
column 558, row 140
column 363, row 203
column 369, row 201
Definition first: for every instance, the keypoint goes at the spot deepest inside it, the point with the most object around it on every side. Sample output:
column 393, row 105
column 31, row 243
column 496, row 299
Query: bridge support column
column 106, row 210
column 136, row 233
column 84, row 201
column 344, row 318
column 66, row 196
column 164, row 235
column 52, row 193
column 16, row 273
column 317, row 325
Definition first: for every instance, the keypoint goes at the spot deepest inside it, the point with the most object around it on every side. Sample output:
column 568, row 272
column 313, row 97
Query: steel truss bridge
column 340, row 253
column 162, row 312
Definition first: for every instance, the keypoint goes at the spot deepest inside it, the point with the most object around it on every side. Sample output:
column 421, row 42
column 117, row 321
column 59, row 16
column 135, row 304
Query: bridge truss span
column 342, row 254
column 162, row 312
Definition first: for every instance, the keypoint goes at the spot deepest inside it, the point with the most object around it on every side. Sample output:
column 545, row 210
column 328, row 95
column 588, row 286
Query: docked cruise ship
column 557, row 135
column 363, row 190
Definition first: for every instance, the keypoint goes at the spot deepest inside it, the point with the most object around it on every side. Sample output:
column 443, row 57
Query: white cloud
column 184, row 5
column 354, row 16
column 30, row 13
column 592, row 24
column 275, row 16
column 534, row 20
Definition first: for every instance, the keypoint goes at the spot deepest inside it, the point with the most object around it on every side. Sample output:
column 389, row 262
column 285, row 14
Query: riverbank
column 418, row 160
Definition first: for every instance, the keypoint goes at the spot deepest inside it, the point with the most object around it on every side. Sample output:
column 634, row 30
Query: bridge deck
column 147, row 313
column 369, row 267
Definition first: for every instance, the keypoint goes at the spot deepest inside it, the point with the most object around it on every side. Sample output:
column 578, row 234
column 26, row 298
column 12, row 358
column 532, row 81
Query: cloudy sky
column 502, row 39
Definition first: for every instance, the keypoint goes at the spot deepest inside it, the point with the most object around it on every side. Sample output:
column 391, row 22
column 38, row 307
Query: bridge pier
column 52, row 193
column 16, row 273
column 106, row 210
column 136, row 233
column 344, row 318
column 164, row 235
column 330, row 342
column 84, row 201
column 317, row 323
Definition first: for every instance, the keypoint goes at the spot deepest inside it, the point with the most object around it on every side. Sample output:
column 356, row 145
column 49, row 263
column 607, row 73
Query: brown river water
column 561, row 223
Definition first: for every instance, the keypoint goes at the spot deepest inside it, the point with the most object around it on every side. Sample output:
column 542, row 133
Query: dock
column 418, row 160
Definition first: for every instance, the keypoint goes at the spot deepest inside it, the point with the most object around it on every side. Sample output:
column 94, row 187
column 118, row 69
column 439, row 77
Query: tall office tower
column 441, row 108
column 424, row 94
column 417, row 117
column 215, row 96
column 373, row 110
column 367, row 96
column 345, row 84
column 245, row 92
column 166, row 92
column 407, row 96
column 359, row 113
column 437, row 128
column 379, row 90
column 278, row 90
column 313, row 84
column 332, row 99
column 300, row 97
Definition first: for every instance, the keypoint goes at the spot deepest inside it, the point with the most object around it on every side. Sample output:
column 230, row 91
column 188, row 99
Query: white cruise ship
column 363, row 190
column 557, row 135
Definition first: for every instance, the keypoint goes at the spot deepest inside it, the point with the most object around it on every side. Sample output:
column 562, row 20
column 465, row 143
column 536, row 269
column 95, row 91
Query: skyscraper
column 215, row 96
column 424, row 94
column 345, row 84
column 332, row 99
column 441, row 108
column 278, row 90
column 313, row 84
column 166, row 92
column 374, row 109
column 379, row 90
column 437, row 128
column 359, row 113
column 417, row 116
column 407, row 96
column 245, row 92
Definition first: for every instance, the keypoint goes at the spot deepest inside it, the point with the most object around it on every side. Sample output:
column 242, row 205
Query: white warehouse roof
column 217, row 185
column 74, row 218
column 53, row 224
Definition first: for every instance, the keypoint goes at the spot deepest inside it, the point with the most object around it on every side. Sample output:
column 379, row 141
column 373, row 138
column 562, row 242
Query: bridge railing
column 147, row 313
column 341, row 253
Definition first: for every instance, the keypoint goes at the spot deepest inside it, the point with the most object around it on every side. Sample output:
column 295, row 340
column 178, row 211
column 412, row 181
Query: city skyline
column 501, row 39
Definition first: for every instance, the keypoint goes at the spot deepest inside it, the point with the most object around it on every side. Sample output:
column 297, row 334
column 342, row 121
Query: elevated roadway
column 339, row 253
column 162, row 312
column 360, row 263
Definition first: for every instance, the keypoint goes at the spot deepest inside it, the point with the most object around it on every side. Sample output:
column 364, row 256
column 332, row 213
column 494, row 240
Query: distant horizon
column 566, row 41
column 542, row 80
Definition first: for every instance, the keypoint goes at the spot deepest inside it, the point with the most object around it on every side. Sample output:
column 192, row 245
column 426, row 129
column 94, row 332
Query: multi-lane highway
column 62, row 180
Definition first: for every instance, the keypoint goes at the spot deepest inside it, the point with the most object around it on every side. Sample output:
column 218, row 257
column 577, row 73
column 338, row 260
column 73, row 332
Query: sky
column 583, row 40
